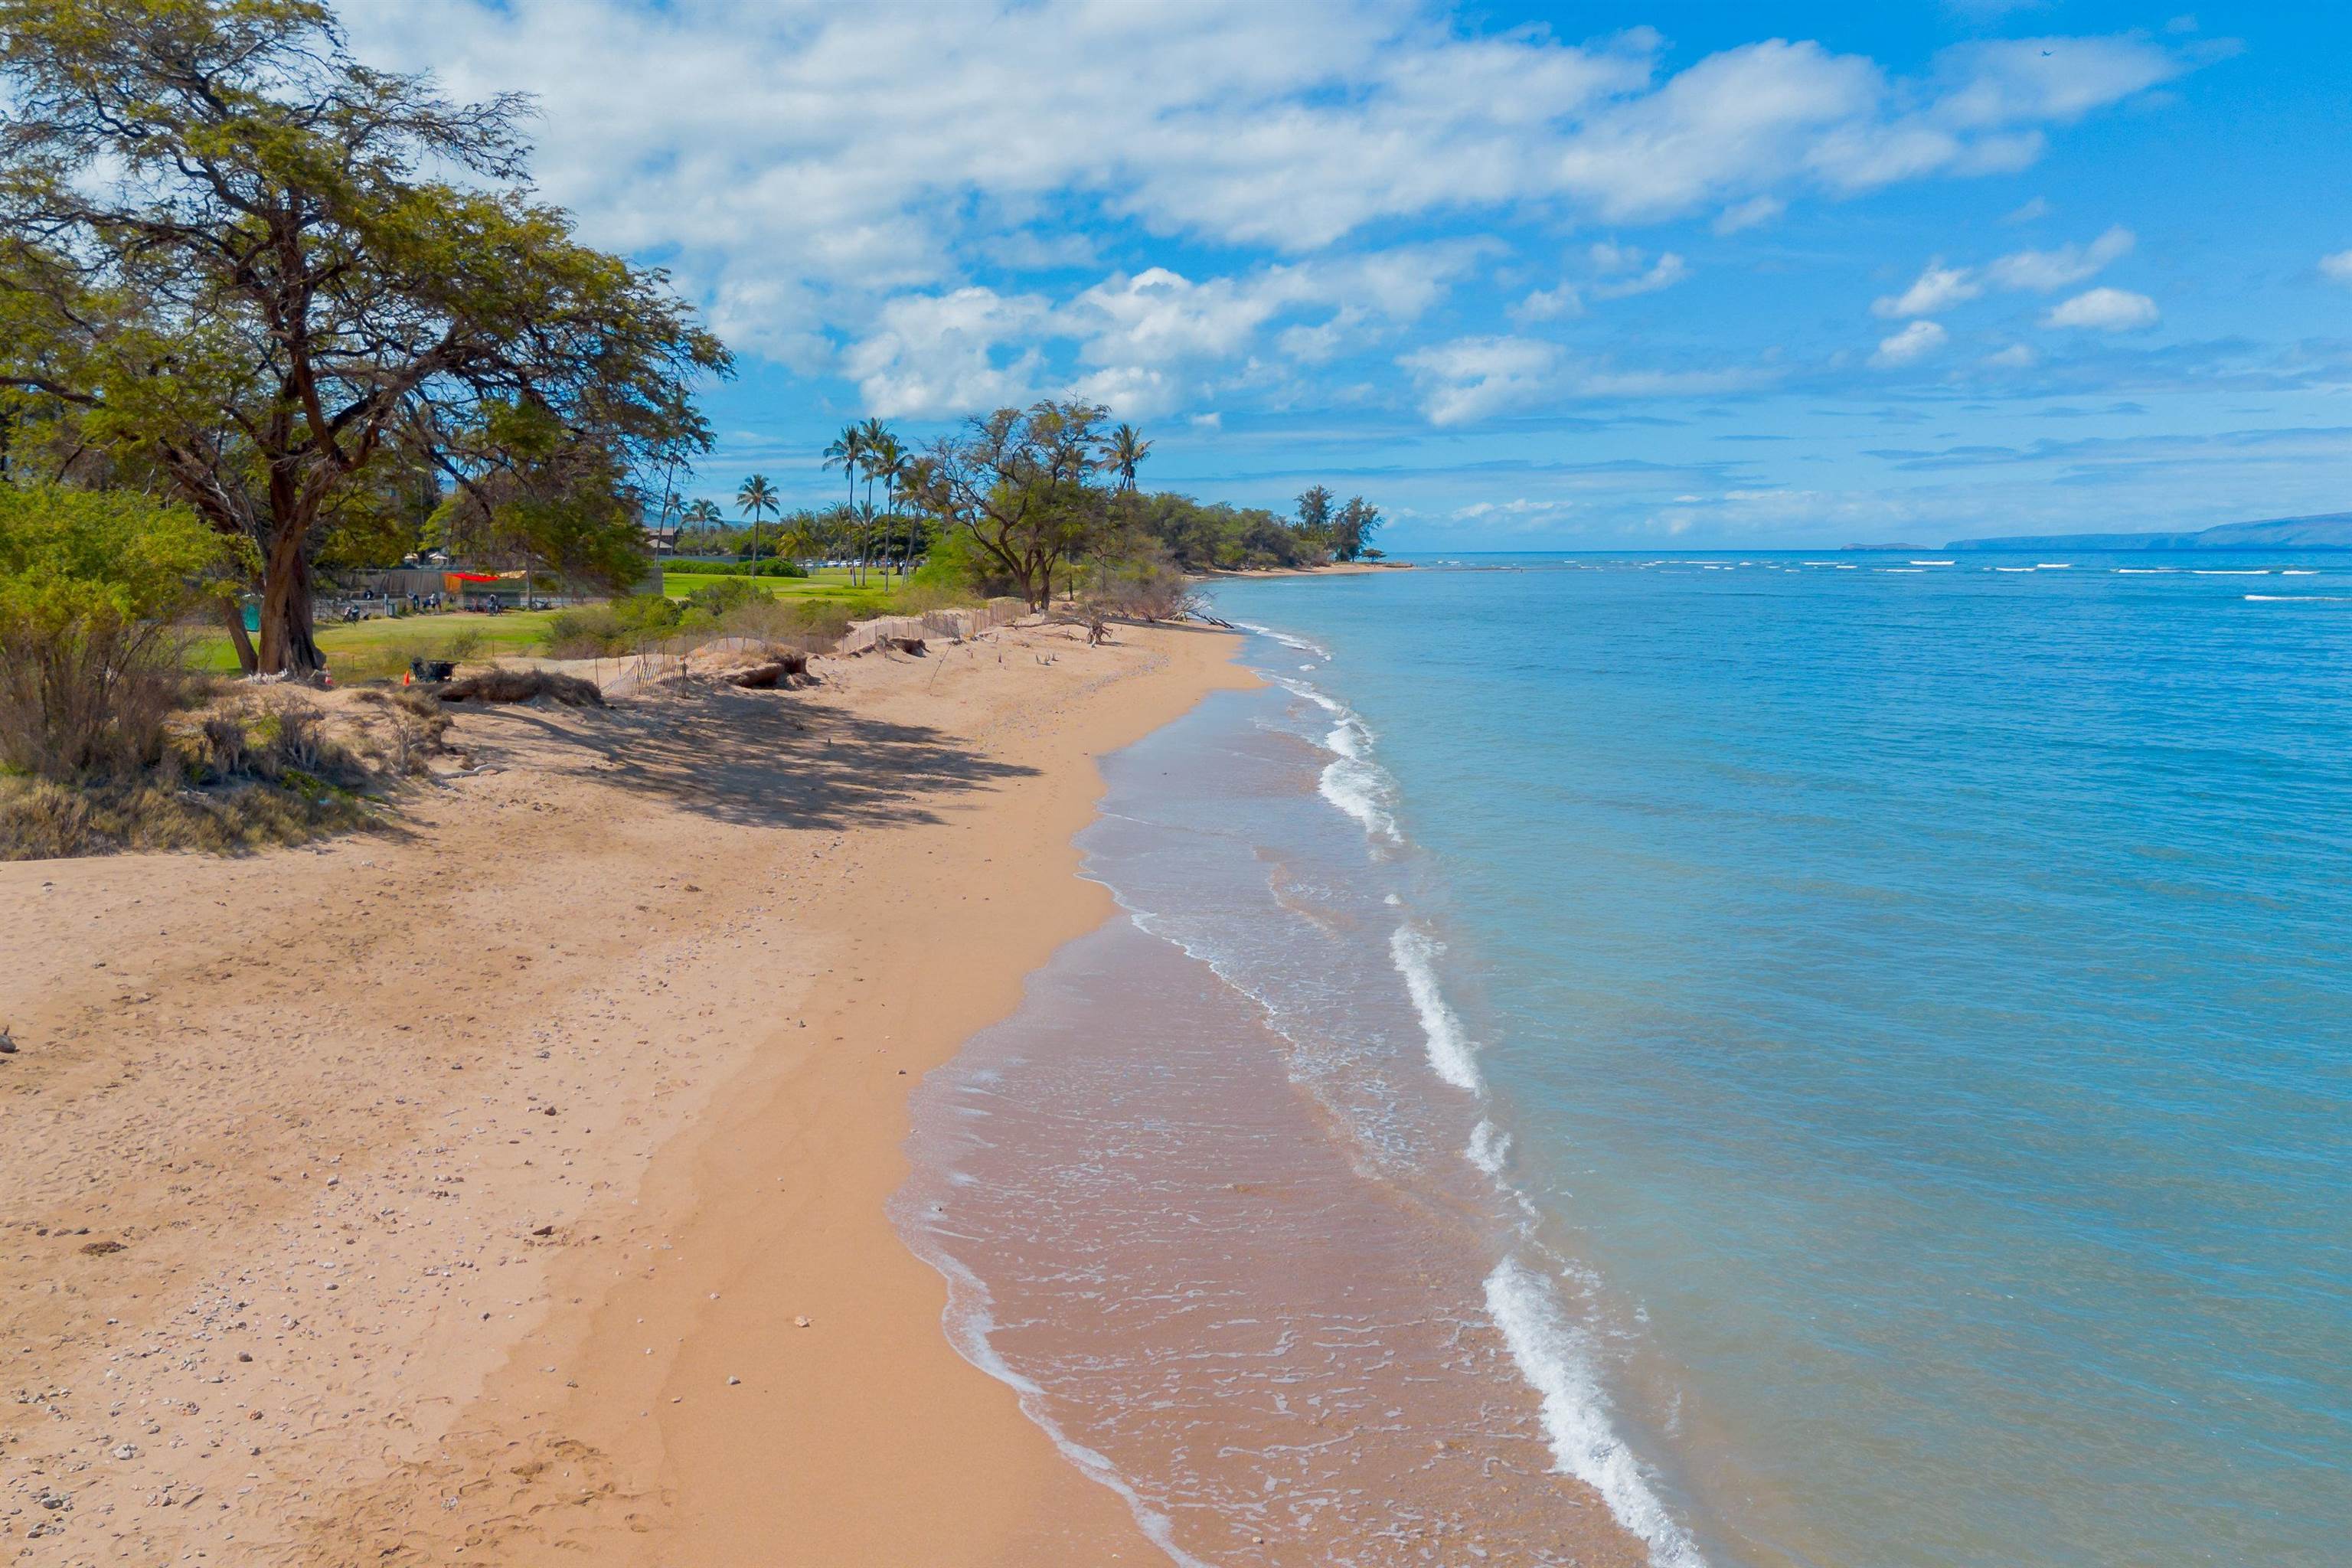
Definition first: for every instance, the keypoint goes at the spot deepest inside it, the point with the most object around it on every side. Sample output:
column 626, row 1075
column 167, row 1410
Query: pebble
column 733, row 1381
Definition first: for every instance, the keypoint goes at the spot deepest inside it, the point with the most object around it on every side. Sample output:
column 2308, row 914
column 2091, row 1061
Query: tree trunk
column 233, row 614
column 287, row 645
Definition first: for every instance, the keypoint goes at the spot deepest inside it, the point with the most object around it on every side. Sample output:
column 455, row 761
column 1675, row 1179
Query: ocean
column 1711, row 1059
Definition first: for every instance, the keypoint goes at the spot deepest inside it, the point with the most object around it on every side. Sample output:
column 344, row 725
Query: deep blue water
column 1918, row 1001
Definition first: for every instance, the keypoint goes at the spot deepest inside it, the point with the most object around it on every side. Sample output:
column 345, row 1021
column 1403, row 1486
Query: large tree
column 237, row 258
column 1019, row 486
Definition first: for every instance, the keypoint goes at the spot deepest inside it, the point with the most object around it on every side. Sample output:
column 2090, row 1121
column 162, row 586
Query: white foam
column 2054, row 565
column 2218, row 571
column 2300, row 598
column 969, row 1324
column 1932, row 564
column 1555, row 1358
column 1362, row 789
column 1490, row 1147
column 1303, row 645
column 1451, row 1056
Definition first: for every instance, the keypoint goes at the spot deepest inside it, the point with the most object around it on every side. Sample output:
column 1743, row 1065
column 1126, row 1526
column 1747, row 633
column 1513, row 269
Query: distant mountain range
column 2331, row 530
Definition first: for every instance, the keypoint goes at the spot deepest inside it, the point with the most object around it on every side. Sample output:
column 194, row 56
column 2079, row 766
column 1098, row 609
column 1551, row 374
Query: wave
column 1451, row 1056
column 1555, row 1358
column 2299, row 598
column 1490, row 1147
column 1287, row 639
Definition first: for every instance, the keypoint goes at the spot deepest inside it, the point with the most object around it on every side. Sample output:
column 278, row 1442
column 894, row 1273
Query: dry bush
column 505, row 685
column 91, row 703
column 41, row 819
column 783, row 623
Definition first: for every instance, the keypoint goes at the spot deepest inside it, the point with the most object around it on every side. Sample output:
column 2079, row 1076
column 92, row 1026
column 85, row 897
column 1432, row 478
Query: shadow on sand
column 757, row 759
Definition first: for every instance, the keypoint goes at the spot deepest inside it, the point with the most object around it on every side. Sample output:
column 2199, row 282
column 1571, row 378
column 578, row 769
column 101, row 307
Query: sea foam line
column 1554, row 1358
column 1451, row 1056
column 1549, row 1351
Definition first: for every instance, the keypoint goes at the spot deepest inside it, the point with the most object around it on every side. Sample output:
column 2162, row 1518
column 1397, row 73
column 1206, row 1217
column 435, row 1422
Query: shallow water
column 1850, row 1059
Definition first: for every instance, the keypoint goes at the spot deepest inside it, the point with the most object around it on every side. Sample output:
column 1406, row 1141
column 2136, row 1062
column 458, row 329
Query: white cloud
column 2017, row 356
column 2039, row 207
column 1939, row 289
column 938, row 354
column 1909, row 346
column 1550, row 305
column 1752, row 213
column 1472, row 378
column 2336, row 269
column 2104, row 309
column 1664, row 273
column 2047, row 271
column 799, row 163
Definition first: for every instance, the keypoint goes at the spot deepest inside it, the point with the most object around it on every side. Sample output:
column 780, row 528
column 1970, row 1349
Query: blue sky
column 1527, row 276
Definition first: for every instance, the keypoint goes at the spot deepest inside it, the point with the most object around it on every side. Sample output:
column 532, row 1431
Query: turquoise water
column 1917, row 1002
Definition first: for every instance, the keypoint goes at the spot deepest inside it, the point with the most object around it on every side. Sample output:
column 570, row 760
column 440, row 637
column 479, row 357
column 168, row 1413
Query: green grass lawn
column 827, row 585
column 379, row 649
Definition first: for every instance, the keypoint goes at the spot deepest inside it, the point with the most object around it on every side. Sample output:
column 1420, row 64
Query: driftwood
column 524, row 686
column 786, row 667
column 915, row 646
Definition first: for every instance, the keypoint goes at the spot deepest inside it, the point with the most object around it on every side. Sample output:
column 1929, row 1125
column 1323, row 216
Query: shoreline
column 344, row 1146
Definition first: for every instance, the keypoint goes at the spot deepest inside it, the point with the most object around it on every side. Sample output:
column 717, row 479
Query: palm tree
column 887, row 461
column 757, row 497
column 849, row 450
column 1127, row 447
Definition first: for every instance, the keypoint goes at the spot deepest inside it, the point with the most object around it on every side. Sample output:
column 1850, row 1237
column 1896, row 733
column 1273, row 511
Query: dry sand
column 455, row 1193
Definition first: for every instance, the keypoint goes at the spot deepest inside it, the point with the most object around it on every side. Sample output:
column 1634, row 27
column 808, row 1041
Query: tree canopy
column 239, row 262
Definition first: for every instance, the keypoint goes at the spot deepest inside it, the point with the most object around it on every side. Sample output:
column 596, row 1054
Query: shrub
column 610, row 630
column 719, row 599
column 90, row 662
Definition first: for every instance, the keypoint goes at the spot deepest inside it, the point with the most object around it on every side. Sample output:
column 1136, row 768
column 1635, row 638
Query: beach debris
column 100, row 1248
column 524, row 686
column 7, row 1042
column 126, row 1450
column 732, row 1380
column 800, row 1322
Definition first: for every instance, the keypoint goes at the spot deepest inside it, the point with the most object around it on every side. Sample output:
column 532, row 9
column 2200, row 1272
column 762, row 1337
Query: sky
column 1527, row 277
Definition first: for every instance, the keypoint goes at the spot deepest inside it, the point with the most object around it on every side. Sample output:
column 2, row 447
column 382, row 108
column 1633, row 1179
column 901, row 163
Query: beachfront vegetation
column 90, row 661
column 1020, row 503
column 243, row 268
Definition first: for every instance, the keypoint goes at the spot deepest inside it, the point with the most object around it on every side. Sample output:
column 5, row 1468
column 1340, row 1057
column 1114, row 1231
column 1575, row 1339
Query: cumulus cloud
column 2336, row 269
column 1909, row 346
column 947, row 354
column 1939, row 289
column 798, row 163
column 2104, row 309
column 1548, row 304
column 1472, row 378
column 2042, row 271
column 2047, row 271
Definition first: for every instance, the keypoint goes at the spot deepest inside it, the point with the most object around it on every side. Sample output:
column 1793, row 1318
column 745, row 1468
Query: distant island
column 2328, row 530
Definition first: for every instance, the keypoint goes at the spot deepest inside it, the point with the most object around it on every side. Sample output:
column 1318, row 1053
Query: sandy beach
column 509, row 1186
